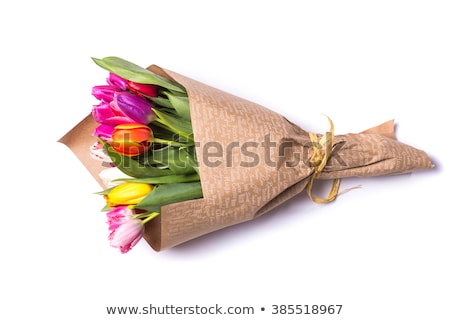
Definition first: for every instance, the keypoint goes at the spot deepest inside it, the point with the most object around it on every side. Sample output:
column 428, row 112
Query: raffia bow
column 320, row 153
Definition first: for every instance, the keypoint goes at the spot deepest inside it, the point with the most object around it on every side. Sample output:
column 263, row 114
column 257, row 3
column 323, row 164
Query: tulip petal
column 148, row 90
column 103, row 131
column 117, row 120
column 102, row 112
column 129, row 192
column 104, row 93
column 117, row 81
column 117, row 216
column 137, row 108
column 127, row 235
column 131, row 139
column 136, row 134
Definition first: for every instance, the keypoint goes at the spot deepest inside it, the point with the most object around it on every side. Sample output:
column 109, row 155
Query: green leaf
column 177, row 159
column 179, row 162
column 165, row 179
column 131, row 167
column 163, row 133
column 104, row 192
column 174, row 124
column 135, row 73
column 106, row 208
column 192, row 158
column 170, row 193
column 163, row 102
column 181, row 105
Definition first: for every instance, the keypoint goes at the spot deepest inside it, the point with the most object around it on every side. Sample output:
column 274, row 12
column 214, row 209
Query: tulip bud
column 148, row 90
column 105, row 114
column 103, row 131
column 117, row 81
column 117, row 216
column 104, row 93
column 131, row 139
column 127, row 235
column 102, row 112
column 134, row 107
column 128, row 193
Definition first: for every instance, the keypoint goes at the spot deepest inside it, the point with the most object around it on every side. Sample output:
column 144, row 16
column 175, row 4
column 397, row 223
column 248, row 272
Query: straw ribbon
column 321, row 152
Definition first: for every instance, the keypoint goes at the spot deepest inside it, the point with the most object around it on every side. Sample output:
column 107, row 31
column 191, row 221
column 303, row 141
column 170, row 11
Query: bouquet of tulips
column 173, row 172
column 144, row 131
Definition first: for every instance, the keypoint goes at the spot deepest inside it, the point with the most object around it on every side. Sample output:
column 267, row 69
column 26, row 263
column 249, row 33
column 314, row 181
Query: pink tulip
column 117, row 216
column 126, row 230
column 102, row 112
column 117, row 81
column 108, row 113
column 104, row 93
column 104, row 132
column 127, row 235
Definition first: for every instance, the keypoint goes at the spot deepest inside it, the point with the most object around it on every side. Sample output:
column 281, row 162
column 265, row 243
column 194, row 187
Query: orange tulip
column 131, row 139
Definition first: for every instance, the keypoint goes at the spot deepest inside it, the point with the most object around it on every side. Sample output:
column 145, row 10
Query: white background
column 382, row 251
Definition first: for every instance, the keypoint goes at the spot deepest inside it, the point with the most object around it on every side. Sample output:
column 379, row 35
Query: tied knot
column 319, row 154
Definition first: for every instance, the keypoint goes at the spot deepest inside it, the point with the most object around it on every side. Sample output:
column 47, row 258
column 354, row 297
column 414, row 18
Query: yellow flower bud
column 128, row 193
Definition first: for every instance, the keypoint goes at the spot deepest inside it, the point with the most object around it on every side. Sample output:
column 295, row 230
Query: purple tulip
column 135, row 107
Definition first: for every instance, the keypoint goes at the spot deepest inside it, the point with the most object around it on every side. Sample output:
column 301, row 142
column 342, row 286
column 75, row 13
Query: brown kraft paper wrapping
column 251, row 160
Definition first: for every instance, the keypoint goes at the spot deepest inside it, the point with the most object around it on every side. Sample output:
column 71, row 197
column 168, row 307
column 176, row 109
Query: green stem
column 150, row 217
column 165, row 179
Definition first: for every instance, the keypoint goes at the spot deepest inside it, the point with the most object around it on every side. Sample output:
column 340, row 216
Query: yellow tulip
column 128, row 193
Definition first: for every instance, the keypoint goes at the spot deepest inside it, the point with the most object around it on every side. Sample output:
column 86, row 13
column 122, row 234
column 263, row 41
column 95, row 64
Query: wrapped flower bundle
column 181, row 159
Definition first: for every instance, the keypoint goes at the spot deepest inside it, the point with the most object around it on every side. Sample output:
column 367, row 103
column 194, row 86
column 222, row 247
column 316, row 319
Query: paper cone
column 251, row 160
